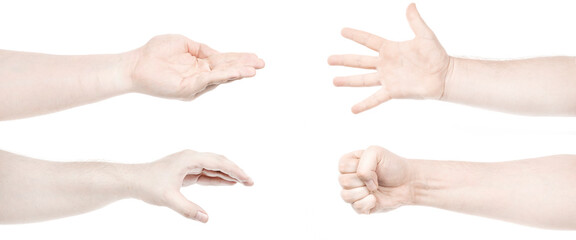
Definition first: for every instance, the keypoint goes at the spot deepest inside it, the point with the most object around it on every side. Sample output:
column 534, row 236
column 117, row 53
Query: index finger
column 367, row 39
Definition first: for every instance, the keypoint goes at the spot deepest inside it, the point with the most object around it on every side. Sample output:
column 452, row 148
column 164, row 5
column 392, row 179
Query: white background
column 288, row 126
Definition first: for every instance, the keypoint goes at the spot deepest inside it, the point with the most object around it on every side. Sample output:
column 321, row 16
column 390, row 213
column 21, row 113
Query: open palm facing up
column 414, row 69
column 375, row 180
column 173, row 66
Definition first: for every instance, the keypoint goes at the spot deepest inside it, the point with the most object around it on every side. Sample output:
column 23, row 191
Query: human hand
column 411, row 69
column 159, row 182
column 375, row 180
column 173, row 66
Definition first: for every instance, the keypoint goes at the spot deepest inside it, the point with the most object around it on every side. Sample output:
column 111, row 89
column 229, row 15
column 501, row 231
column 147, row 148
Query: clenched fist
column 375, row 180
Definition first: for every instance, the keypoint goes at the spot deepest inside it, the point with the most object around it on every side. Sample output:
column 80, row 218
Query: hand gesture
column 173, row 66
column 412, row 69
column 375, row 180
column 159, row 182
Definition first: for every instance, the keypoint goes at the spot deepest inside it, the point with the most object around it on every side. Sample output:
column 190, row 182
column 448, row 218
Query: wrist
column 119, row 74
column 430, row 181
column 115, row 180
column 446, row 184
column 134, row 174
column 419, row 187
column 448, row 78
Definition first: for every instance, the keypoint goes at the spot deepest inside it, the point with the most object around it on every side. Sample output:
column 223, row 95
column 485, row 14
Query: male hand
column 375, row 180
column 159, row 182
column 173, row 66
column 411, row 69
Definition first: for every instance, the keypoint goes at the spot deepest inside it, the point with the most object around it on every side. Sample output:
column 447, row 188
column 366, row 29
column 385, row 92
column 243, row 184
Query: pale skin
column 37, row 190
column 536, row 192
column 421, row 69
column 168, row 66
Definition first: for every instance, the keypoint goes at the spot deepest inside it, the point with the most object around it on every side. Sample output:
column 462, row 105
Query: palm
column 411, row 69
column 172, row 66
column 164, row 64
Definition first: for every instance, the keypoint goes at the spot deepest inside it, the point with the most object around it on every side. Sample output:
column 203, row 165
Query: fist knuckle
column 342, row 180
column 374, row 148
column 362, row 207
column 345, row 196
column 343, row 165
column 221, row 157
column 188, row 151
column 359, row 209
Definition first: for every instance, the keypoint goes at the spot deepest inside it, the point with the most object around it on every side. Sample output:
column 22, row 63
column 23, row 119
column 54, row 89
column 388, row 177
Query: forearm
column 539, row 86
column 35, row 190
column 33, row 84
column 538, row 192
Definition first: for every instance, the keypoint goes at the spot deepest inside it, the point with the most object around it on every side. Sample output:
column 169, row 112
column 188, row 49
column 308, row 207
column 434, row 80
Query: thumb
column 188, row 209
column 416, row 22
column 367, row 166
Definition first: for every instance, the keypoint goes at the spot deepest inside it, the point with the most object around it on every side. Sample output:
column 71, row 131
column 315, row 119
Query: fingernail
column 201, row 216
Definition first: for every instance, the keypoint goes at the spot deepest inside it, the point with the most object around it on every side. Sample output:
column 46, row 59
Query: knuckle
column 235, row 75
column 345, row 195
column 187, row 152
column 360, row 207
column 175, row 36
column 215, row 157
column 250, row 57
column 345, row 163
column 343, row 181
column 166, row 37
column 374, row 148
column 187, row 159
column 223, row 161
column 189, row 213
column 342, row 165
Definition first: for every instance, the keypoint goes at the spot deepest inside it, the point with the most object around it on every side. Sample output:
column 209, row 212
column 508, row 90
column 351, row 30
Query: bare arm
column 537, row 192
column 539, row 86
column 35, row 190
column 169, row 66
column 421, row 69
column 33, row 83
